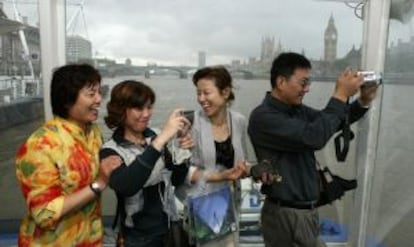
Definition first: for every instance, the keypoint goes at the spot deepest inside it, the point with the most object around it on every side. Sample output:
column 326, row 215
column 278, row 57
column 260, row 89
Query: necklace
column 220, row 132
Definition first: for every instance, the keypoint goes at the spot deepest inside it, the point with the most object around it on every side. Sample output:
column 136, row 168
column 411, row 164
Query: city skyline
column 149, row 32
column 223, row 30
column 106, row 43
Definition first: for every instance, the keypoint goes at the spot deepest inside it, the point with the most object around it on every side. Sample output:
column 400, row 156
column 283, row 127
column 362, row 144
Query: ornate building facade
column 267, row 49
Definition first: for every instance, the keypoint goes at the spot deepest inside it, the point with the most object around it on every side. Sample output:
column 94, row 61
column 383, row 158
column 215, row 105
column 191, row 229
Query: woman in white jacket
column 219, row 154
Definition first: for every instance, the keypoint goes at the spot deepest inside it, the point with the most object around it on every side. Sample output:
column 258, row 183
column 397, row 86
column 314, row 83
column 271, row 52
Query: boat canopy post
column 375, row 32
column 25, row 47
column 52, row 18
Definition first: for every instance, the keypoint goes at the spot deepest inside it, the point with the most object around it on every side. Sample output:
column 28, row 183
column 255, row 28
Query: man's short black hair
column 285, row 65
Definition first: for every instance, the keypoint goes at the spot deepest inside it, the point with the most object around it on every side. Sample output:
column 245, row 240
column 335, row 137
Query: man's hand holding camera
column 368, row 93
column 347, row 84
column 351, row 82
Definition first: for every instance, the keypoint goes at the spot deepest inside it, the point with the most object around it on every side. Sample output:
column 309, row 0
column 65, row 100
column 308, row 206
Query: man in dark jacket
column 287, row 133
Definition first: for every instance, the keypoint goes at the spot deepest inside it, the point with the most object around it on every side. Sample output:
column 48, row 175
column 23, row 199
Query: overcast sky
column 172, row 32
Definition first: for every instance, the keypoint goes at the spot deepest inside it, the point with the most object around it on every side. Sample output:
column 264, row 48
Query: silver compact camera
column 371, row 77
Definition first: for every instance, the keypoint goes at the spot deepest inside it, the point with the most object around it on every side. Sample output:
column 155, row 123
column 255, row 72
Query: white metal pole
column 52, row 18
column 74, row 16
column 376, row 19
column 26, row 53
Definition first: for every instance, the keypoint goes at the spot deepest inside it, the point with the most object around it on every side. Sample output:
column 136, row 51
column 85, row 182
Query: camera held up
column 371, row 77
column 189, row 115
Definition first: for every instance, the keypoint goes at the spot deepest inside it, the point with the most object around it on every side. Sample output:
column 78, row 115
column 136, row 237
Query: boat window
column 21, row 103
column 392, row 210
column 163, row 43
column 163, row 48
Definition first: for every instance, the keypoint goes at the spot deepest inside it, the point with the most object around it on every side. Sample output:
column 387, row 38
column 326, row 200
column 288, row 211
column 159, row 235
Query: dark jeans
column 283, row 226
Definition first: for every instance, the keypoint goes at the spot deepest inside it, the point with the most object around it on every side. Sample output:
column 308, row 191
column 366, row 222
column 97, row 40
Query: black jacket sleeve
column 356, row 111
column 128, row 180
column 307, row 129
column 179, row 171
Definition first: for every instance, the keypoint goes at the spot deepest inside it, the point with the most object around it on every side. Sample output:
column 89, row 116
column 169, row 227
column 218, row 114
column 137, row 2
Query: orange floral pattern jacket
column 57, row 160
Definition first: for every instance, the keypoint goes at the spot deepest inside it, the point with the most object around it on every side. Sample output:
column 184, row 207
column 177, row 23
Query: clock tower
column 331, row 38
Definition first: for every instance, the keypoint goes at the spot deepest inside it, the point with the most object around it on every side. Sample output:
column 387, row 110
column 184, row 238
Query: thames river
column 393, row 202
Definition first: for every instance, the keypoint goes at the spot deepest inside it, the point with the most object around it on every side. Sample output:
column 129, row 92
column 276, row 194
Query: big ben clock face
column 330, row 36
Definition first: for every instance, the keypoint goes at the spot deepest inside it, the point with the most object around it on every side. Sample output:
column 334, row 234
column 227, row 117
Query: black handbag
column 177, row 236
column 332, row 187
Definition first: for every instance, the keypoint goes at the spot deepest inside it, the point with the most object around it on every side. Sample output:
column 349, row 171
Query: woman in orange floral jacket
column 58, row 166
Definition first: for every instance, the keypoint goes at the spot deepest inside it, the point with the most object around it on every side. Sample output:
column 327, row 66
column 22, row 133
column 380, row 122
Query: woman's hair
column 219, row 74
column 66, row 83
column 126, row 94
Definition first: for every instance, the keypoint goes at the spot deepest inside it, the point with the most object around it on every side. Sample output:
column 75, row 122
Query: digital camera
column 371, row 77
column 189, row 115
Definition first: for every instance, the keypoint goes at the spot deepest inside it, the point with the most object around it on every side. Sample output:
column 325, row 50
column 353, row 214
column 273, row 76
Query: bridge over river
column 182, row 72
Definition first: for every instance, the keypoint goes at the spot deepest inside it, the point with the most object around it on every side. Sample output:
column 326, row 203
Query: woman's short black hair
column 67, row 81
column 219, row 74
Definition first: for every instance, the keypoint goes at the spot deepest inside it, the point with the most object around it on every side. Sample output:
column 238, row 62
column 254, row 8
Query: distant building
column 251, row 60
column 329, row 65
column 400, row 56
column 201, row 59
column 267, row 49
column 331, row 41
column 279, row 49
column 235, row 63
column 105, row 66
column 352, row 59
column 78, row 48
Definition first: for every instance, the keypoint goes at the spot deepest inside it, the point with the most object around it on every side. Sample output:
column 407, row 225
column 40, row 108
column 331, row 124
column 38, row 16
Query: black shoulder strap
column 119, row 213
column 343, row 139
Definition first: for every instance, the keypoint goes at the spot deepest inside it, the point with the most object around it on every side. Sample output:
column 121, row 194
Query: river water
column 393, row 199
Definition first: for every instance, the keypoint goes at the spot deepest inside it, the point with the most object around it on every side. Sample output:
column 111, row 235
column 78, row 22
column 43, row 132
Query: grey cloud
column 177, row 30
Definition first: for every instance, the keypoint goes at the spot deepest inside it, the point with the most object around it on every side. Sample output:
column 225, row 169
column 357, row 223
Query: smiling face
column 137, row 119
column 293, row 89
column 210, row 97
column 86, row 108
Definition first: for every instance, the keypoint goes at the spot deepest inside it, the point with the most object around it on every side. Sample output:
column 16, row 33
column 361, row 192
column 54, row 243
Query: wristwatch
column 95, row 188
